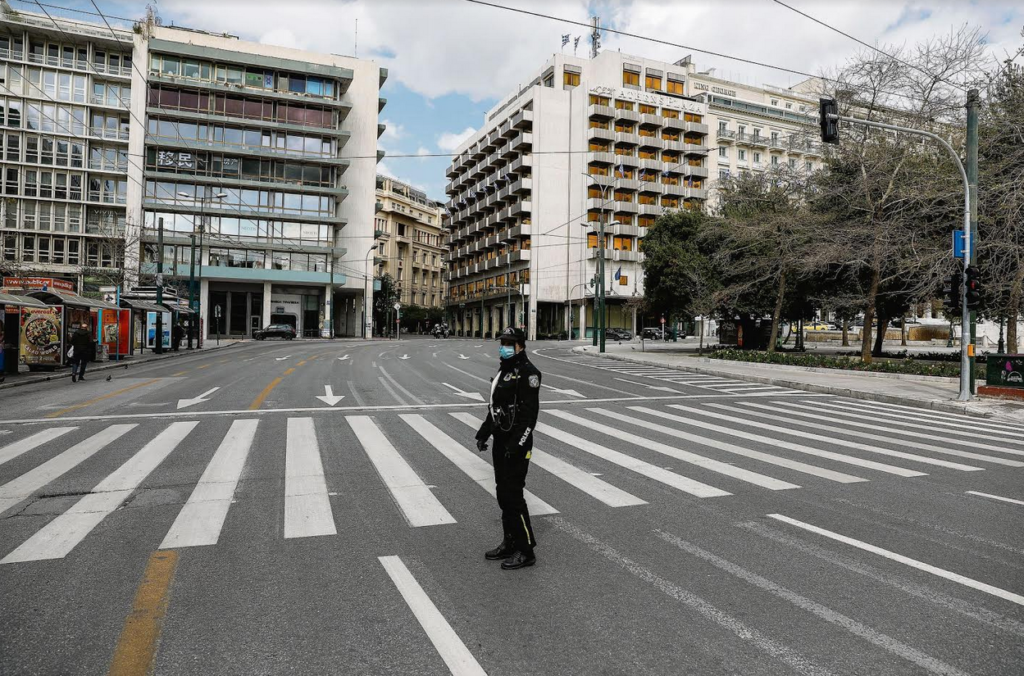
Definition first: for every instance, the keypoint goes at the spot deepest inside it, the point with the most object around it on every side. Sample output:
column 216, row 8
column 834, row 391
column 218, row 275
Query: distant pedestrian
column 82, row 351
column 177, row 334
column 511, row 417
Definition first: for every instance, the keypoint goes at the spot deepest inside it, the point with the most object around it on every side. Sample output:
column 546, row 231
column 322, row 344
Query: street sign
column 958, row 243
column 216, row 311
column 398, row 306
column 1005, row 370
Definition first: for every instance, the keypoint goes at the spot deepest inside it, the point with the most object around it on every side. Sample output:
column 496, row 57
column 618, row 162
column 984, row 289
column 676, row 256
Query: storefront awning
column 21, row 301
column 58, row 297
column 141, row 305
column 179, row 308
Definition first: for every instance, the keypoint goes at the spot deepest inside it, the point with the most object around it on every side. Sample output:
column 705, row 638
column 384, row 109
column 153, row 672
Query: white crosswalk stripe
column 974, row 431
column 13, row 450
column 677, row 377
column 200, row 521
column 793, row 418
column 679, row 454
column 472, row 465
column 411, row 494
column 929, row 414
column 57, row 538
column 307, row 506
column 574, row 476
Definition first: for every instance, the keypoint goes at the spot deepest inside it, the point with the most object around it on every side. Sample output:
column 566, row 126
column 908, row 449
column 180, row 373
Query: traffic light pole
column 967, row 317
column 971, row 254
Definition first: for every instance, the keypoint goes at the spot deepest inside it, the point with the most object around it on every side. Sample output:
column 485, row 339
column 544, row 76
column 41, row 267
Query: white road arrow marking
column 476, row 396
column 345, row 358
column 329, row 398
column 184, row 403
column 462, row 356
column 478, row 346
column 404, row 356
column 283, row 358
column 650, row 387
column 572, row 393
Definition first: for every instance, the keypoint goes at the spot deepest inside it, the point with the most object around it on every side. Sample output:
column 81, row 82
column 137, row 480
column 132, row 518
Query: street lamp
column 192, row 263
column 368, row 300
column 599, row 324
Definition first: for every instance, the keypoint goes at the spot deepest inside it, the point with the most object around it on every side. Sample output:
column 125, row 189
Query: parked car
column 652, row 333
column 617, row 334
column 818, row 326
column 284, row 331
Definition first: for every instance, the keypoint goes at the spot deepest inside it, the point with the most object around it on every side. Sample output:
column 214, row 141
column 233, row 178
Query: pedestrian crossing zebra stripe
column 930, row 414
column 793, row 418
column 13, row 450
column 968, row 429
column 57, row 538
column 307, row 506
column 588, row 483
column 202, row 517
column 411, row 494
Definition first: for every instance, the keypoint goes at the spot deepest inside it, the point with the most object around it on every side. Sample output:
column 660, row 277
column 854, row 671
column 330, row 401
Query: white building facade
column 614, row 138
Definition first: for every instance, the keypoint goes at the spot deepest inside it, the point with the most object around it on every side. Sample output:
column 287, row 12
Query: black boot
column 519, row 560
column 502, row 551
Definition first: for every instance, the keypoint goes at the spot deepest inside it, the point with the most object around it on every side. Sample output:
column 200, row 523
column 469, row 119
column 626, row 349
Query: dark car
column 617, row 334
column 652, row 333
column 275, row 331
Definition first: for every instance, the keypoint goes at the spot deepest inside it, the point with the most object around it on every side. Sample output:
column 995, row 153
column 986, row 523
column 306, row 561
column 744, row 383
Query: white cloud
column 393, row 130
column 449, row 141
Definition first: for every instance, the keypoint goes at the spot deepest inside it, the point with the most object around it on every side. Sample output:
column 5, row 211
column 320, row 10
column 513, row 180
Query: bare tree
column 115, row 241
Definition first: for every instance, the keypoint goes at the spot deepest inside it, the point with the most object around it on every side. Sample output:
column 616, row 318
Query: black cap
column 512, row 333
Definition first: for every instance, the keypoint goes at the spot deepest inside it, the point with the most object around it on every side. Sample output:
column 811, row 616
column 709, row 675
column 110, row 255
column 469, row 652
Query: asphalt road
column 222, row 513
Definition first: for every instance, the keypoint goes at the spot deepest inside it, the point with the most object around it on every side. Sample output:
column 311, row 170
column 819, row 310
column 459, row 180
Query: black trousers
column 78, row 367
column 510, row 479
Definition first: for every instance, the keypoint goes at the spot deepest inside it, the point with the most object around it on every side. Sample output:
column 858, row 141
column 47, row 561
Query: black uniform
column 511, row 418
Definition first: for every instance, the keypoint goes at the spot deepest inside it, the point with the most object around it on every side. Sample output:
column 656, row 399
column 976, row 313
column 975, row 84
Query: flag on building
column 618, row 273
column 565, row 39
column 575, row 45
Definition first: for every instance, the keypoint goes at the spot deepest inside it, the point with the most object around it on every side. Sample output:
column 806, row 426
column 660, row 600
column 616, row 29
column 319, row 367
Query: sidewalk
column 908, row 390
column 26, row 377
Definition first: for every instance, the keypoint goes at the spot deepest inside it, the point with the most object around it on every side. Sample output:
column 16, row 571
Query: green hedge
column 909, row 366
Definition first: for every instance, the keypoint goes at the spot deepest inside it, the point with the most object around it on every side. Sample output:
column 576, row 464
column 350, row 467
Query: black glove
column 481, row 445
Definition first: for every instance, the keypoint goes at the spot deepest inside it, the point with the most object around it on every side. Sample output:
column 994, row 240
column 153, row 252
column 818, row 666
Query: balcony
column 521, row 207
column 778, row 143
column 627, row 160
column 650, row 187
column 651, row 142
column 649, row 210
column 523, row 184
column 675, row 146
column 521, row 255
column 596, row 203
column 625, row 255
column 673, row 190
column 509, row 151
column 647, row 119
column 696, row 193
column 631, row 115
column 522, row 119
column 624, row 207
column 627, row 184
column 602, row 112
column 726, row 135
column 696, row 172
column 652, row 164
column 625, row 230
column 520, row 163
column 695, row 148
column 522, row 141
column 602, row 158
column 626, row 138
column 603, row 134
column 676, row 123
column 696, row 128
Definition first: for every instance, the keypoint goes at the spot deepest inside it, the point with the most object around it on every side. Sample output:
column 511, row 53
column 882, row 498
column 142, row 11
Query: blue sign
column 958, row 243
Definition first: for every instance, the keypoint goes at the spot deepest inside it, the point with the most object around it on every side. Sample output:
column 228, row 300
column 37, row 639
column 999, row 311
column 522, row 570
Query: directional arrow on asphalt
column 572, row 393
column 329, row 397
column 476, row 396
column 462, row 356
column 404, row 356
column 650, row 387
column 184, row 403
column 345, row 358
column 283, row 358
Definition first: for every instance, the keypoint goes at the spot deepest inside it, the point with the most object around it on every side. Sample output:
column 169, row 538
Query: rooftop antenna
column 355, row 48
column 595, row 37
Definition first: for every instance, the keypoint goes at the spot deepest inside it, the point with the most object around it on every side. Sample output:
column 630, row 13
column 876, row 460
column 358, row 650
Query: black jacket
column 514, row 404
column 82, row 341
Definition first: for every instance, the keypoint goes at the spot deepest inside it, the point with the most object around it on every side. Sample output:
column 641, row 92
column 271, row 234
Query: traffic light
column 974, row 296
column 827, row 108
column 951, row 293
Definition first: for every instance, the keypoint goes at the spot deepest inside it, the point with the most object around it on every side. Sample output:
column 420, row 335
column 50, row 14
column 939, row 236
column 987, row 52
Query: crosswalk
column 628, row 372
column 603, row 457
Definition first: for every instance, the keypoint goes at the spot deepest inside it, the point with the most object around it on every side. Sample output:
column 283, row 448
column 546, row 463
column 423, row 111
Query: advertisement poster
column 109, row 332
column 41, row 341
column 151, row 329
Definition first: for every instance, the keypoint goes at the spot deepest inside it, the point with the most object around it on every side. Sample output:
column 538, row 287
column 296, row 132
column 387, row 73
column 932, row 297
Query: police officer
column 511, row 418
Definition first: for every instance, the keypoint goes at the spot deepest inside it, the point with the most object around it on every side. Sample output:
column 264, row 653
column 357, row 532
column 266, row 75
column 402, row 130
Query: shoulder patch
column 534, row 381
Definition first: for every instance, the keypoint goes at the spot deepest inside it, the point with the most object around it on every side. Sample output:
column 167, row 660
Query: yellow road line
column 179, row 373
column 137, row 646
column 301, row 363
column 258, row 401
column 61, row 412
column 289, row 372
column 205, row 366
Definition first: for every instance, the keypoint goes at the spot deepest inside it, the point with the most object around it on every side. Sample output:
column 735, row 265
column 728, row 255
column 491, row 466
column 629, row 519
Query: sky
column 450, row 61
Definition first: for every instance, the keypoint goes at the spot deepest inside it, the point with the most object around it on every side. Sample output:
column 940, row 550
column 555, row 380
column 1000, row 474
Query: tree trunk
column 883, row 326
column 903, row 331
column 1013, row 312
column 869, row 316
column 846, row 333
column 778, row 312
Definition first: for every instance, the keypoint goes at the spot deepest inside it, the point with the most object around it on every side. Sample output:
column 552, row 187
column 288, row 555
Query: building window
column 646, row 109
column 623, row 280
column 596, row 100
column 570, row 79
column 775, row 137
column 741, row 129
column 630, row 79
column 775, row 160
column 646, row 221
column 549, row 81
column 789, row 106
column 653, row 82
column 757, row 158
column 722, row 126
column 742, row 155
column 792, row 163
column 808, row 166
column 674, row 87
column 775, row 102
column 723, row 173
column 623, row 105
column 723, row 151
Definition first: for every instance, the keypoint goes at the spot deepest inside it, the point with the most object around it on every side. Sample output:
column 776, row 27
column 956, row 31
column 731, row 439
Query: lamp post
column 368, row 301
column 599, row 323
column 192, row 261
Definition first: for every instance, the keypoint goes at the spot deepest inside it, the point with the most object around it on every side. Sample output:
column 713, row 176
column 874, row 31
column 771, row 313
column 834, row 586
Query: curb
column 932, row 404
column 109, row 366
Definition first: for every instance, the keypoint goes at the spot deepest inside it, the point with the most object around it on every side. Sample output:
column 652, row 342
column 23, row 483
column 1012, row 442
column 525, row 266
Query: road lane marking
column 444, row 639
column 355, row 394
column 24, row 486
column 471, row 464
column 709, row 464
column 834, row 441
column 137, row 645
column 204, row 366
column 877, row 638
column 57, row 414
column 307, row 507
column 982, row 495
column 181, row 373
column 411, row 494
column 917, row 445
column 289, row 371
column 258, row 401
column 677, row 481
column 201, row 518
column 943, row 421
column 906, row 560
column 588, row 483
column 404, row 391
column 799, row 448
column 468, row 374
column 1000, row 426
column 12, row 451
column 57, row 538
column 779, row 651
column 301, row 363
column 391, row 391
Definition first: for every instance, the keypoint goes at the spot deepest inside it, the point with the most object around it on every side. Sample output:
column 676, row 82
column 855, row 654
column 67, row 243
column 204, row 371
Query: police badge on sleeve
column 534, row 381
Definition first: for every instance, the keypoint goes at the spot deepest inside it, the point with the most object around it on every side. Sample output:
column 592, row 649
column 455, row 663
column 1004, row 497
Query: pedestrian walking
column 82, row 351
column 511, row 417
column 177, row 333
